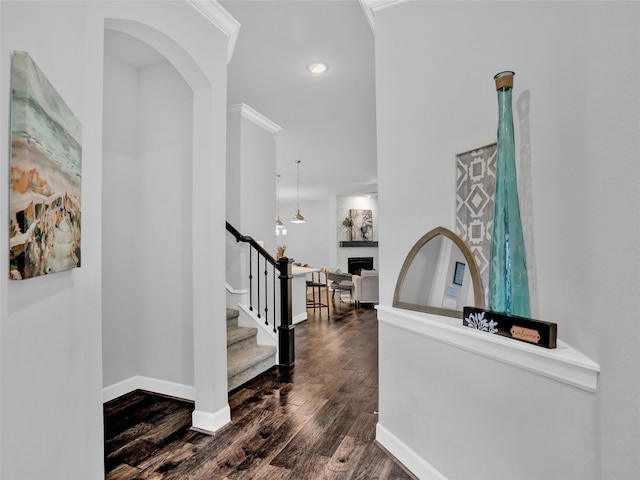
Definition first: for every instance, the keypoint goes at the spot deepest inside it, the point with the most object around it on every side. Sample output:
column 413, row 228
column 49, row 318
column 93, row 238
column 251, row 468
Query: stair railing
column 280, row 269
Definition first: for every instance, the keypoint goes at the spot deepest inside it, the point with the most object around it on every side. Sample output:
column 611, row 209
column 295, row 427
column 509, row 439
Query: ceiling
column 328, row 122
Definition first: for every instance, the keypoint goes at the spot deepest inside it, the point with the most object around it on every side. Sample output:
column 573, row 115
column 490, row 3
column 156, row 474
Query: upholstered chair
column 365, row 287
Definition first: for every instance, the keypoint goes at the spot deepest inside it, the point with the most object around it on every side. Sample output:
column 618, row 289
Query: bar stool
column 319, row 280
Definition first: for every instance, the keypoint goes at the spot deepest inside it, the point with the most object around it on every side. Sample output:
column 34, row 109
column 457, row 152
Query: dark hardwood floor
column 313, row 421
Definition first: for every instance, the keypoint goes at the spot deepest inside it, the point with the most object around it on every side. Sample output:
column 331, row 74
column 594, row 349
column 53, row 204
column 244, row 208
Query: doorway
column 147, row 219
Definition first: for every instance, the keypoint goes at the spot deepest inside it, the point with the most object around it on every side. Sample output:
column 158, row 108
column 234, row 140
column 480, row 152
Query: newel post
column 286, row 328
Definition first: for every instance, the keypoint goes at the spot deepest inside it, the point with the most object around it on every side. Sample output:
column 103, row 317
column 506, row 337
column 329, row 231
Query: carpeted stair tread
column 237, row 334
column 245, row 359
column 243, row 376
column 241, row 337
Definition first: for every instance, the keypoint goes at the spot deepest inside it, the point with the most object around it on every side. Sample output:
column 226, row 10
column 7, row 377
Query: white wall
column 235, row 252
column 576, row 113
column 251, row 181
column 310, row 242
column 233, row 171
column 121, row 173
column 166, row 254
column 198, row 50
column 147, row 253
column 50, row 355
column 50, row 327
column 259, row 184
column 251, row 187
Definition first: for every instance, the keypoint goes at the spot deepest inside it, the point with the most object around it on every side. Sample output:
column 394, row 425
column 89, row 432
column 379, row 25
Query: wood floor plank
column 343, row 421
column 114, row 407
column 310, row 466
column 364, row 427
column 134, row 453
column 397, row 472
column 345, row 459
column 312, row 437
column 171, row 425
column 122, row 472
column 267, row 451
column 263, row 472
column 219, row 453
column 313, row 421
column 365, row 399
column 374, row 464
column 167, row 459
column 124, row 438
column 275, row 443
column 136, row 408
column 243, row 445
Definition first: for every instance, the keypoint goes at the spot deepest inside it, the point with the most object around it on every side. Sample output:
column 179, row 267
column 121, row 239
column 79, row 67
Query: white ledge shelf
column 564, row 363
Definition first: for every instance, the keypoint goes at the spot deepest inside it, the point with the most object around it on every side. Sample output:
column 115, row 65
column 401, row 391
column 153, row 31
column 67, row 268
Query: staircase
column 245, row 358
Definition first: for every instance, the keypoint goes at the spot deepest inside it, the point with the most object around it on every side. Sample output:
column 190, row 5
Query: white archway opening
column 157, row 312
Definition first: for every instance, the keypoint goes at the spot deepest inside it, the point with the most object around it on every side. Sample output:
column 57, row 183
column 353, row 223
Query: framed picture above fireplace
column 362, row 229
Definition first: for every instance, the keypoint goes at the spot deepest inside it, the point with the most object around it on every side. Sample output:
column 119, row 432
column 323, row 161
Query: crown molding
column 249, row 113
column 370, row 7
column 216, row 14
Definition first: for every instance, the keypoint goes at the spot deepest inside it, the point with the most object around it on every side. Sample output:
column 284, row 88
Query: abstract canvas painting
column 46, row 175
column 475, row 186
column 362, row 224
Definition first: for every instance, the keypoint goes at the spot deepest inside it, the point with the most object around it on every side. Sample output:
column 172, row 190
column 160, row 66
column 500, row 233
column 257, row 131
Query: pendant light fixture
column 280, row 227
column 298, row 218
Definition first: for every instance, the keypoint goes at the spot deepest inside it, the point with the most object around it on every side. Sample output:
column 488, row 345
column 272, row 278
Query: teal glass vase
column 508, row 280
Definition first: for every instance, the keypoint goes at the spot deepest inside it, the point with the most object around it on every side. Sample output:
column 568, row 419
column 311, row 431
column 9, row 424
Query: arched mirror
column 440, row 276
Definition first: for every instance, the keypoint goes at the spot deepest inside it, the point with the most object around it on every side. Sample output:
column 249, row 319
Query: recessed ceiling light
column 317, row 68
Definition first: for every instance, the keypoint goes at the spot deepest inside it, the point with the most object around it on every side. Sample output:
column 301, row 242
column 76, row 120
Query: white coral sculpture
column 477, row 321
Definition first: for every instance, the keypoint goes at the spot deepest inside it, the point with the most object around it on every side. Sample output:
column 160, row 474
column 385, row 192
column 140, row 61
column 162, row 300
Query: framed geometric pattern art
column 475, row 187
column 46, row 176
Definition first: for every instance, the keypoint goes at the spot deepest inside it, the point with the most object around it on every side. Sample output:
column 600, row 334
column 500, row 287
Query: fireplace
column 355, row 264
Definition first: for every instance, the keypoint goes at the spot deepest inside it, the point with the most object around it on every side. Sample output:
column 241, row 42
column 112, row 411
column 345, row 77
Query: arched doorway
column 159, row 295
column 146, row 241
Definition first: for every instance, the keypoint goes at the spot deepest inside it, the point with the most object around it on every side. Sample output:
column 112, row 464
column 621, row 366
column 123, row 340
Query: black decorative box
column 537, row 332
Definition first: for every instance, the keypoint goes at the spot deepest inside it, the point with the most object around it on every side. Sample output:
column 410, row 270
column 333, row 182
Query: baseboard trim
column 207, row 422
column 139, row 382
column 405, row 455
column 301, row 317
